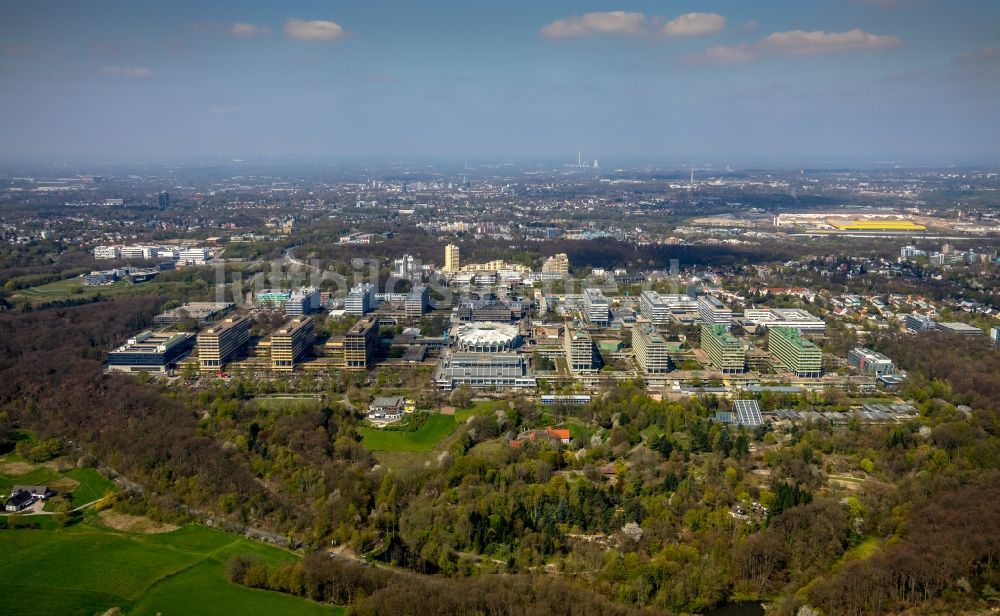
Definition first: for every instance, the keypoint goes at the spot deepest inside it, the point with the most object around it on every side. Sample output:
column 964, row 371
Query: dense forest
column 638, row 513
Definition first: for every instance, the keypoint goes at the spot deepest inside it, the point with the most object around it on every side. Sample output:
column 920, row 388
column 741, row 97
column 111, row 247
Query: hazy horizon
column 851, row 83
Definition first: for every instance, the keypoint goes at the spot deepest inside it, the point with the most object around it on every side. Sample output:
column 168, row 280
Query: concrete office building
column 480, row 370
column 272, row 298
column 150, row 352
column 580, row 352
column 223, row 341
column 723, row 349
column 304, row 301
column 361, row 343
column 651, row 350
column 290, row 343
column 796, row 354
column 596, row 309
column 361, row 300
column 659, row 308
column 962, row 329
column 202, row 312
column 194, row 256
column 869, row 362
column 452, row 260
column 916, row 322
column 711, row 310
column 556, row 264
column 416, row 302
column 759, row 320
column 107, row 252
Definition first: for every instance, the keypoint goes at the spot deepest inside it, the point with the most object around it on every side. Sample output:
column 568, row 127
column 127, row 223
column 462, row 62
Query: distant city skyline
column 830, row 82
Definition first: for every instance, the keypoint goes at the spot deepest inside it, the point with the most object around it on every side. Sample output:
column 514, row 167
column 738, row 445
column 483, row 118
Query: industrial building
column 651, row 350
column 869, row 362
column 711, row 310
column 304, row 301
column 796, row 354
column 290, row 343
column 360, row 344
column 223, row 341
column 723, row 349
column 596, row 309
column 150, row 352
column 480, row 370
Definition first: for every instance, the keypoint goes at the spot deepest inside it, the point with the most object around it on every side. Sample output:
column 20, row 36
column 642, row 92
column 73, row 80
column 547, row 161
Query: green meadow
column 425, row 438
column 88, row 569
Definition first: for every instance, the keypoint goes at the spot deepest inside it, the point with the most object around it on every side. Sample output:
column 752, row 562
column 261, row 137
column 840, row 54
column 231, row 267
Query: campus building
column 361, row 300
column 452, row 260
column 596, row 309
column 759, row 320
column 796, row 354
column 223, row 341
column 416, row 302
column 659, row 308
column 580, row 353
column 869, row 362
column 290, row 343
column 360, row 344
column 150, row 352
column 202, row 312
column 916, row 322
column 711, row 310
column 723, row 349
column 651, row 350
column 272, row 298
column 480, row 370
column 303, row 301
column 556, row 264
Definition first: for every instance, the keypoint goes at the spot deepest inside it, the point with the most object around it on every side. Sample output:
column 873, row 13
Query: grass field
column 87, row 569
column 434, row 430
column 73, row 288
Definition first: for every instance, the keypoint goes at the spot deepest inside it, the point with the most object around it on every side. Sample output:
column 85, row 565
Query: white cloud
column 798, row 43
column 695, row 24
column 314, row 30
column 224, row 110
column 748, row 25
column 612, row 22
column 246, row 30
column 127, row 71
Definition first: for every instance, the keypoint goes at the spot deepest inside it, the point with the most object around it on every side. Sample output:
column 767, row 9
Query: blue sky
column 741, row 82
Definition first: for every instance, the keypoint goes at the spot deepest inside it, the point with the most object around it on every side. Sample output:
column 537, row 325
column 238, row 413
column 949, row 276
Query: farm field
column 434, row 430
column 176, row 572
